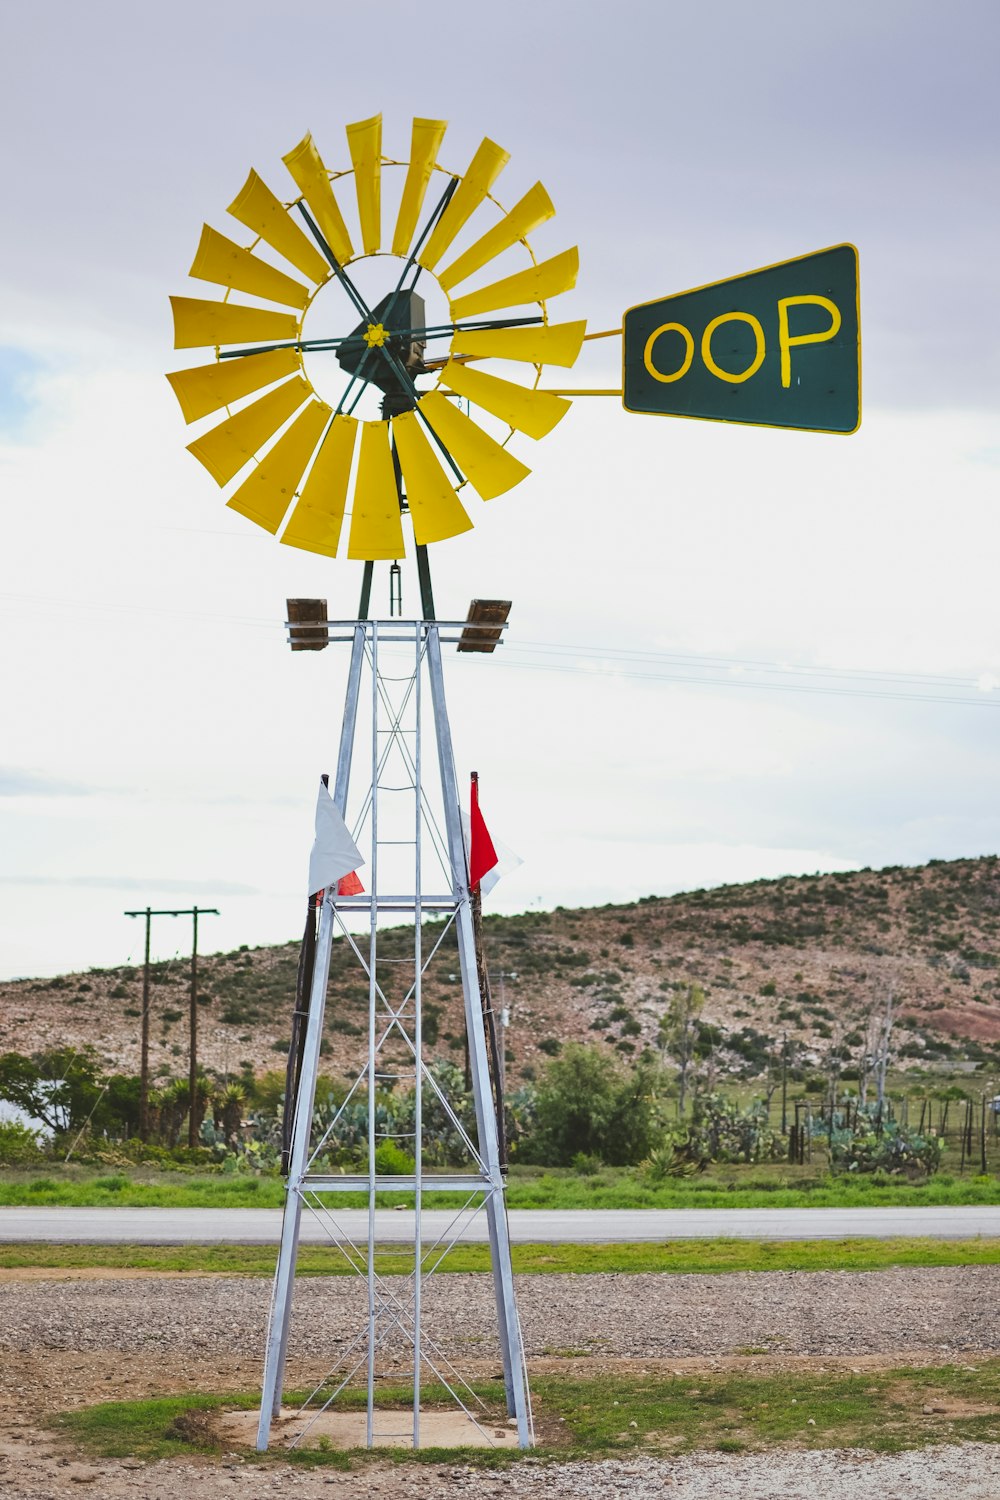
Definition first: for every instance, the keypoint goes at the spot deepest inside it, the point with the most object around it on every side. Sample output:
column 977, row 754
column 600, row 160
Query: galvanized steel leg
column 284, row 1280
column 503, row 1279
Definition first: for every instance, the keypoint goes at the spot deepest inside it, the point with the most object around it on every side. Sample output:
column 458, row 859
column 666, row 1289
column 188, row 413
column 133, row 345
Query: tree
column 877, row 1021
column 680, row 1032
column 587, row 1106
column 60, row 1087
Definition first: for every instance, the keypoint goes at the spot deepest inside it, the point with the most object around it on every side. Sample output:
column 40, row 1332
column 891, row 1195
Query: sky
column 734, row 652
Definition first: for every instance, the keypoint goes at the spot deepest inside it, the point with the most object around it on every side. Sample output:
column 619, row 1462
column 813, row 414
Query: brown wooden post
column 193, row 1030
column 144, row 1048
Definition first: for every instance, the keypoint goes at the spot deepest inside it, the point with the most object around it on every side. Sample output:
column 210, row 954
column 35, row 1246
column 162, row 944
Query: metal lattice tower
column 417, row 867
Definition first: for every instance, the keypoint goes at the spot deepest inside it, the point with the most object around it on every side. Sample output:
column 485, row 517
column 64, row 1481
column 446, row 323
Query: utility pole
column 149, row 914
column 193, row 1049
column 144, row 1043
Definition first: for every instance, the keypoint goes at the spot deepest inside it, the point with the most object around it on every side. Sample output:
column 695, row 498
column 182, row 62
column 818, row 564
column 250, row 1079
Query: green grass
column 728, row 1412
column 677, row 1257
column 724, row 1187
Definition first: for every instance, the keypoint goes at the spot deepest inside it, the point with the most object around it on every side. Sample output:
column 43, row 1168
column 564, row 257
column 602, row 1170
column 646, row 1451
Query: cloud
column 150, row 886
column 16, row 783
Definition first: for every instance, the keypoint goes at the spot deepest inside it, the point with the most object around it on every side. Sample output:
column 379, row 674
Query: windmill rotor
column 307, row 468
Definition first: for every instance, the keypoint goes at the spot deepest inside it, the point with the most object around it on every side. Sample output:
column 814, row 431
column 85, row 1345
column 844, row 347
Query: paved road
column 174, row 1226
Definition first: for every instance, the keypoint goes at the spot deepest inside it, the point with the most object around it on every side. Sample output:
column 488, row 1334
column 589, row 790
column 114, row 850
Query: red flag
column 482, row 855
column 350, row 885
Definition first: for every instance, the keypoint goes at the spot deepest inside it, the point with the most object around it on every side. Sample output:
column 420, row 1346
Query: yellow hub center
column 375, row 336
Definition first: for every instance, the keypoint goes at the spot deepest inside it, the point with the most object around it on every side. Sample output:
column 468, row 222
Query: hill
column 808, row 956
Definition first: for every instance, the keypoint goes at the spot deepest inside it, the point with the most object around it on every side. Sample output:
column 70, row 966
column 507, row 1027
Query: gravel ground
column 68, row 1342
column 949, row 1309
column 969, row 1472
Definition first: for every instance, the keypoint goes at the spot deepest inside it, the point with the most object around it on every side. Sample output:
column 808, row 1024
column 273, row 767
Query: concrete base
column 348, row 1429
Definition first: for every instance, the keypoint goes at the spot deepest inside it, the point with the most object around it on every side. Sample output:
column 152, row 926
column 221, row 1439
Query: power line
column 581, row 669
column 575, row 659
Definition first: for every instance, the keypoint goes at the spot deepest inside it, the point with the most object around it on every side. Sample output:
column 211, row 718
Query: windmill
column 405, row 461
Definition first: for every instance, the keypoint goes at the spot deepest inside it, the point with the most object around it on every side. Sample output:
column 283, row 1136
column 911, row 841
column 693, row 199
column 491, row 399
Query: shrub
column 721, row 1131
column 587, row 1105
column 587, row 1166
column 675, row 1159
column 891, row 1149
column 20, row 1146
column 392, row 1161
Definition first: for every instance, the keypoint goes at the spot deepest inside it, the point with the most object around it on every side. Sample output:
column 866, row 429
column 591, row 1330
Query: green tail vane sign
column 779, row 347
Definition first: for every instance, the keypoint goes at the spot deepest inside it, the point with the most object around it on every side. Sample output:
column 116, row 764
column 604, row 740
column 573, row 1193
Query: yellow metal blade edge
column 199, row 324
column 267, row 492
column 484, row 169
column 548, row 279
column 435, row 507
column 551, row 344
column 227, row 264
column 313, row 181
column 317, row 519
column 226, row 448
column 533, row 412
column 257, row 207
column 376, row 529
column 532, row 210
column 206, row 388
column 424, row 147
column 488, row 466
column 364, row 141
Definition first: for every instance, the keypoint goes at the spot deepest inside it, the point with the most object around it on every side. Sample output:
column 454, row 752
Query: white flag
column 334, row 852
column 507, row 860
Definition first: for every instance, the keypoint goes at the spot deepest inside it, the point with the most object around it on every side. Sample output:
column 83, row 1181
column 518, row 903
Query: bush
column 891, row 1149
column 721, row 1131
column 392, row 1161
column 587, row 1106
column 20, row 1146
column 587, row 1166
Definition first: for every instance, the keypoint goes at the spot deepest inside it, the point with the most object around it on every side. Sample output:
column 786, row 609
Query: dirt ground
column 66, row 1342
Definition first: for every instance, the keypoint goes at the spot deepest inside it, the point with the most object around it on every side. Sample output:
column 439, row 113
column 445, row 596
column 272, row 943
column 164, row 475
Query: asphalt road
column 248, row 1226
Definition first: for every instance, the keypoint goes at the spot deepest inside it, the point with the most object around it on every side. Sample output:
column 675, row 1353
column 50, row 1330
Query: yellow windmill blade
column 551, row 344
column 376, row 529
column 313, row 181
column 547, row 279
column 287, row 431
column 533, row 412
column 257, row 207
column 484, row 169
column 487, row 465
column 266, row 493
column 206, row 388
column 227, row 264
column 424, row 146
column 226, row 448
column 199, row 324
column 364, row 141
column 317, row 519
column 532, row 210
column 435, row 507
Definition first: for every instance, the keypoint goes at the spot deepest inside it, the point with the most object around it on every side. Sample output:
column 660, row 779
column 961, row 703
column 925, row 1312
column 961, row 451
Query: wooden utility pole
column 149, row 914
column 193, row 1047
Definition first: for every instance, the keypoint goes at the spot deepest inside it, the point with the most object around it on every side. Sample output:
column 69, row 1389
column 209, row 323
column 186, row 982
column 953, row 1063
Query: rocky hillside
column 806, row 956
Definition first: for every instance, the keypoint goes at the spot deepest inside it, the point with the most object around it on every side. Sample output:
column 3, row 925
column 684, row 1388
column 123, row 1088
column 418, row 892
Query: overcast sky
column 734, row 652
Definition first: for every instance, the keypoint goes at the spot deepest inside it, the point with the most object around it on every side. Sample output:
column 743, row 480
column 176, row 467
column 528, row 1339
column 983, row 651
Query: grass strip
column 677, row 1257
column 145, row 1189
column 888, row 1411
